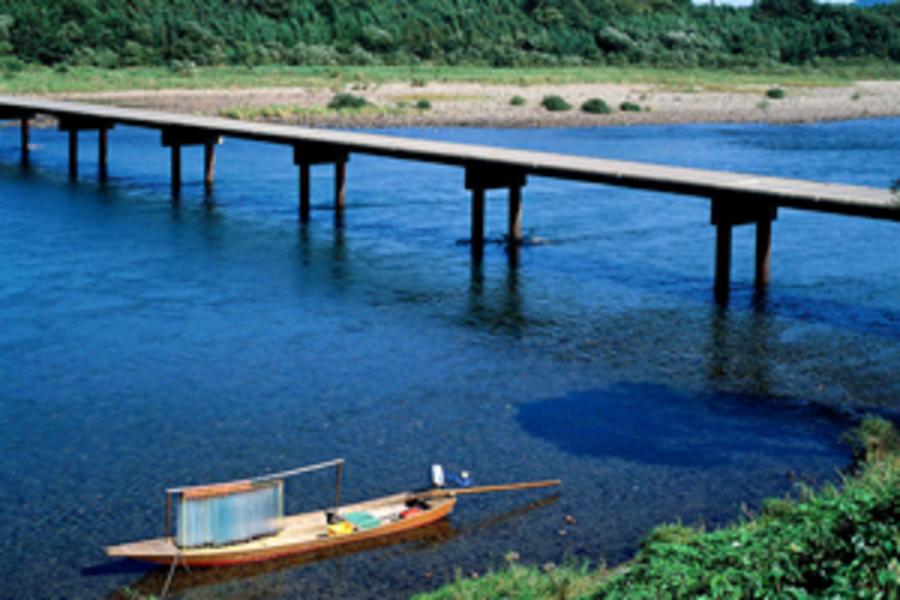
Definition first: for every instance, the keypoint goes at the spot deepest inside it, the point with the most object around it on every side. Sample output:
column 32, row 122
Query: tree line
column 503, row 33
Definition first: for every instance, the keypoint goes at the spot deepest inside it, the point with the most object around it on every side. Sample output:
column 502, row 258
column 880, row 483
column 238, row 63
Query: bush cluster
column 119, row 33
column 346, row 101
column 596, row 106
column 555, row 104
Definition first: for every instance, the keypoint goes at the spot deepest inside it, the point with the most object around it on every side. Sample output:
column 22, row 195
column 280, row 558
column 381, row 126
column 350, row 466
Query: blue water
column 145, row 345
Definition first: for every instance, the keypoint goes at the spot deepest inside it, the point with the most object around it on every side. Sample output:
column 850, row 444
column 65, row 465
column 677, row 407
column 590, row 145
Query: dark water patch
column 657, row 425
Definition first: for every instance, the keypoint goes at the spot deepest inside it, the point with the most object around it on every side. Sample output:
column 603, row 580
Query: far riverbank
column 480, row 96
column 404, row 104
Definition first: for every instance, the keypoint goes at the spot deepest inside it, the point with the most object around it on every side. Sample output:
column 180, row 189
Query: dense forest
column 117, row 33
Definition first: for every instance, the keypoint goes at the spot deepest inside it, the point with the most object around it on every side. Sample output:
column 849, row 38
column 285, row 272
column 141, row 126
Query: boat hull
column 299, row 536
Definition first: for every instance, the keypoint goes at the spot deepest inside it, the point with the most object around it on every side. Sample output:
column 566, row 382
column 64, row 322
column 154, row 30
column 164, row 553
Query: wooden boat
column 272, row 535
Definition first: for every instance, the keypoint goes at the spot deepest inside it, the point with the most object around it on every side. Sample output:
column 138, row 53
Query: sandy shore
column 475, row 104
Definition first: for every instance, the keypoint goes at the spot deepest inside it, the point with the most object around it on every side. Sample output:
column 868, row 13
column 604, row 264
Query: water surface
column 145, row 345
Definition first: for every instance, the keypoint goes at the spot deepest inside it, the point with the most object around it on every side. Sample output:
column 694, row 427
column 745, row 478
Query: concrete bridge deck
column 736, row 198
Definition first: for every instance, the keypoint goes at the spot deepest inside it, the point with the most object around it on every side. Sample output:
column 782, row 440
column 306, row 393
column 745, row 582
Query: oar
column 486, row 489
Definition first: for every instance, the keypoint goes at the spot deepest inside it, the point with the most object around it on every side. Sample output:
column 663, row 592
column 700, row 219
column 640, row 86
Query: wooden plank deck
column 732, row 188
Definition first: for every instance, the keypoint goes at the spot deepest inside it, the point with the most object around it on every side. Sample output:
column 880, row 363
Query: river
column 145, row 345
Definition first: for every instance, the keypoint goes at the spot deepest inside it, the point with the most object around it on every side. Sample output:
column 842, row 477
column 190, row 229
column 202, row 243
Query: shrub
column 596, row 106
column 184, row 68
column 517, row 101
column 630, row 107
column 775, row 93
column 874, row 439
column 10, row 65
column 346, row 101
column 555, row 104
column 423, row 104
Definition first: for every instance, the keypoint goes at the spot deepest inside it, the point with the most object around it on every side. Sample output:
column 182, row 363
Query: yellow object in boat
column 340, row 528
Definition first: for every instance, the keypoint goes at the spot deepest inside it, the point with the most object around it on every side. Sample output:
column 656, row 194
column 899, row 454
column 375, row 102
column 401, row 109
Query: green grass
column 840, row 542
column 288, row 112
column 33, row 79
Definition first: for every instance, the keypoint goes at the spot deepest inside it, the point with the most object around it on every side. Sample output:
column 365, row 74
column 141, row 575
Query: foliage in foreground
column 837, row 543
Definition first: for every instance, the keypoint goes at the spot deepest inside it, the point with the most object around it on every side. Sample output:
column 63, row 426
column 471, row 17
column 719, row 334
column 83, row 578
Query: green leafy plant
column 775, row 93
column 630, row 107
column 875, row 438
column 517, row 101
column 596, row 106
column 555, row 104
column 345, row 101
column 423, row 104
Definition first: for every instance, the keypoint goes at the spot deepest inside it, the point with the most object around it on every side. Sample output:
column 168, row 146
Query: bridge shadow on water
column 658, row 425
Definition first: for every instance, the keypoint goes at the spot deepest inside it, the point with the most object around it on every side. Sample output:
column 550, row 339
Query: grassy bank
column 41, row 80
column 842, row 542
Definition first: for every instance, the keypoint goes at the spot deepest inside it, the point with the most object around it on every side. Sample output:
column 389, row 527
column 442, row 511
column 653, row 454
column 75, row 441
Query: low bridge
column 736, row 199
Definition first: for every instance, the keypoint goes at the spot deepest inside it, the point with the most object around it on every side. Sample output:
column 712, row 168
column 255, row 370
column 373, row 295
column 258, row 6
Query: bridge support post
column 477, row 225
column 176, row 137
column 26, row 141
column 103, row 154
column 209, row 165
column 24, row 117
column 175, row 170
column 482, row 177
column 73, row 155
column 304, row 192
column 308, row 154
column 725, row 216
column 763, row 253
column 340, row 185
column 74, row 125
column 722, row 283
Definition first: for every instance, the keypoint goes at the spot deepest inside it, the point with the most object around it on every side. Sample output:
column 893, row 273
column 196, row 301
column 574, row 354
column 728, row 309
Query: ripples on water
column 145, row 345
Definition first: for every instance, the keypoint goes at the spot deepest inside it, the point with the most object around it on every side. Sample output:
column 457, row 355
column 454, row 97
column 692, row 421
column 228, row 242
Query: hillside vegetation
column 670, row 33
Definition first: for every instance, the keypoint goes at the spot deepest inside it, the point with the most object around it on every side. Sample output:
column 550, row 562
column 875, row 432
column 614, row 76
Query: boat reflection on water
column 416, row 540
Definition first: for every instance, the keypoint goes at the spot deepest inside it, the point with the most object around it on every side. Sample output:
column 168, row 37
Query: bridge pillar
column 176, row 137
column 209, row 164
column 725, row 215
column 24, row 117
column 26, row 141
column 73, row 125
column 310, row 153
column 482, row 177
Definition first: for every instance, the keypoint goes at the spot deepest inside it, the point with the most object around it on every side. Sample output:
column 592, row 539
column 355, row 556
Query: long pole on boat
column 487, row 489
